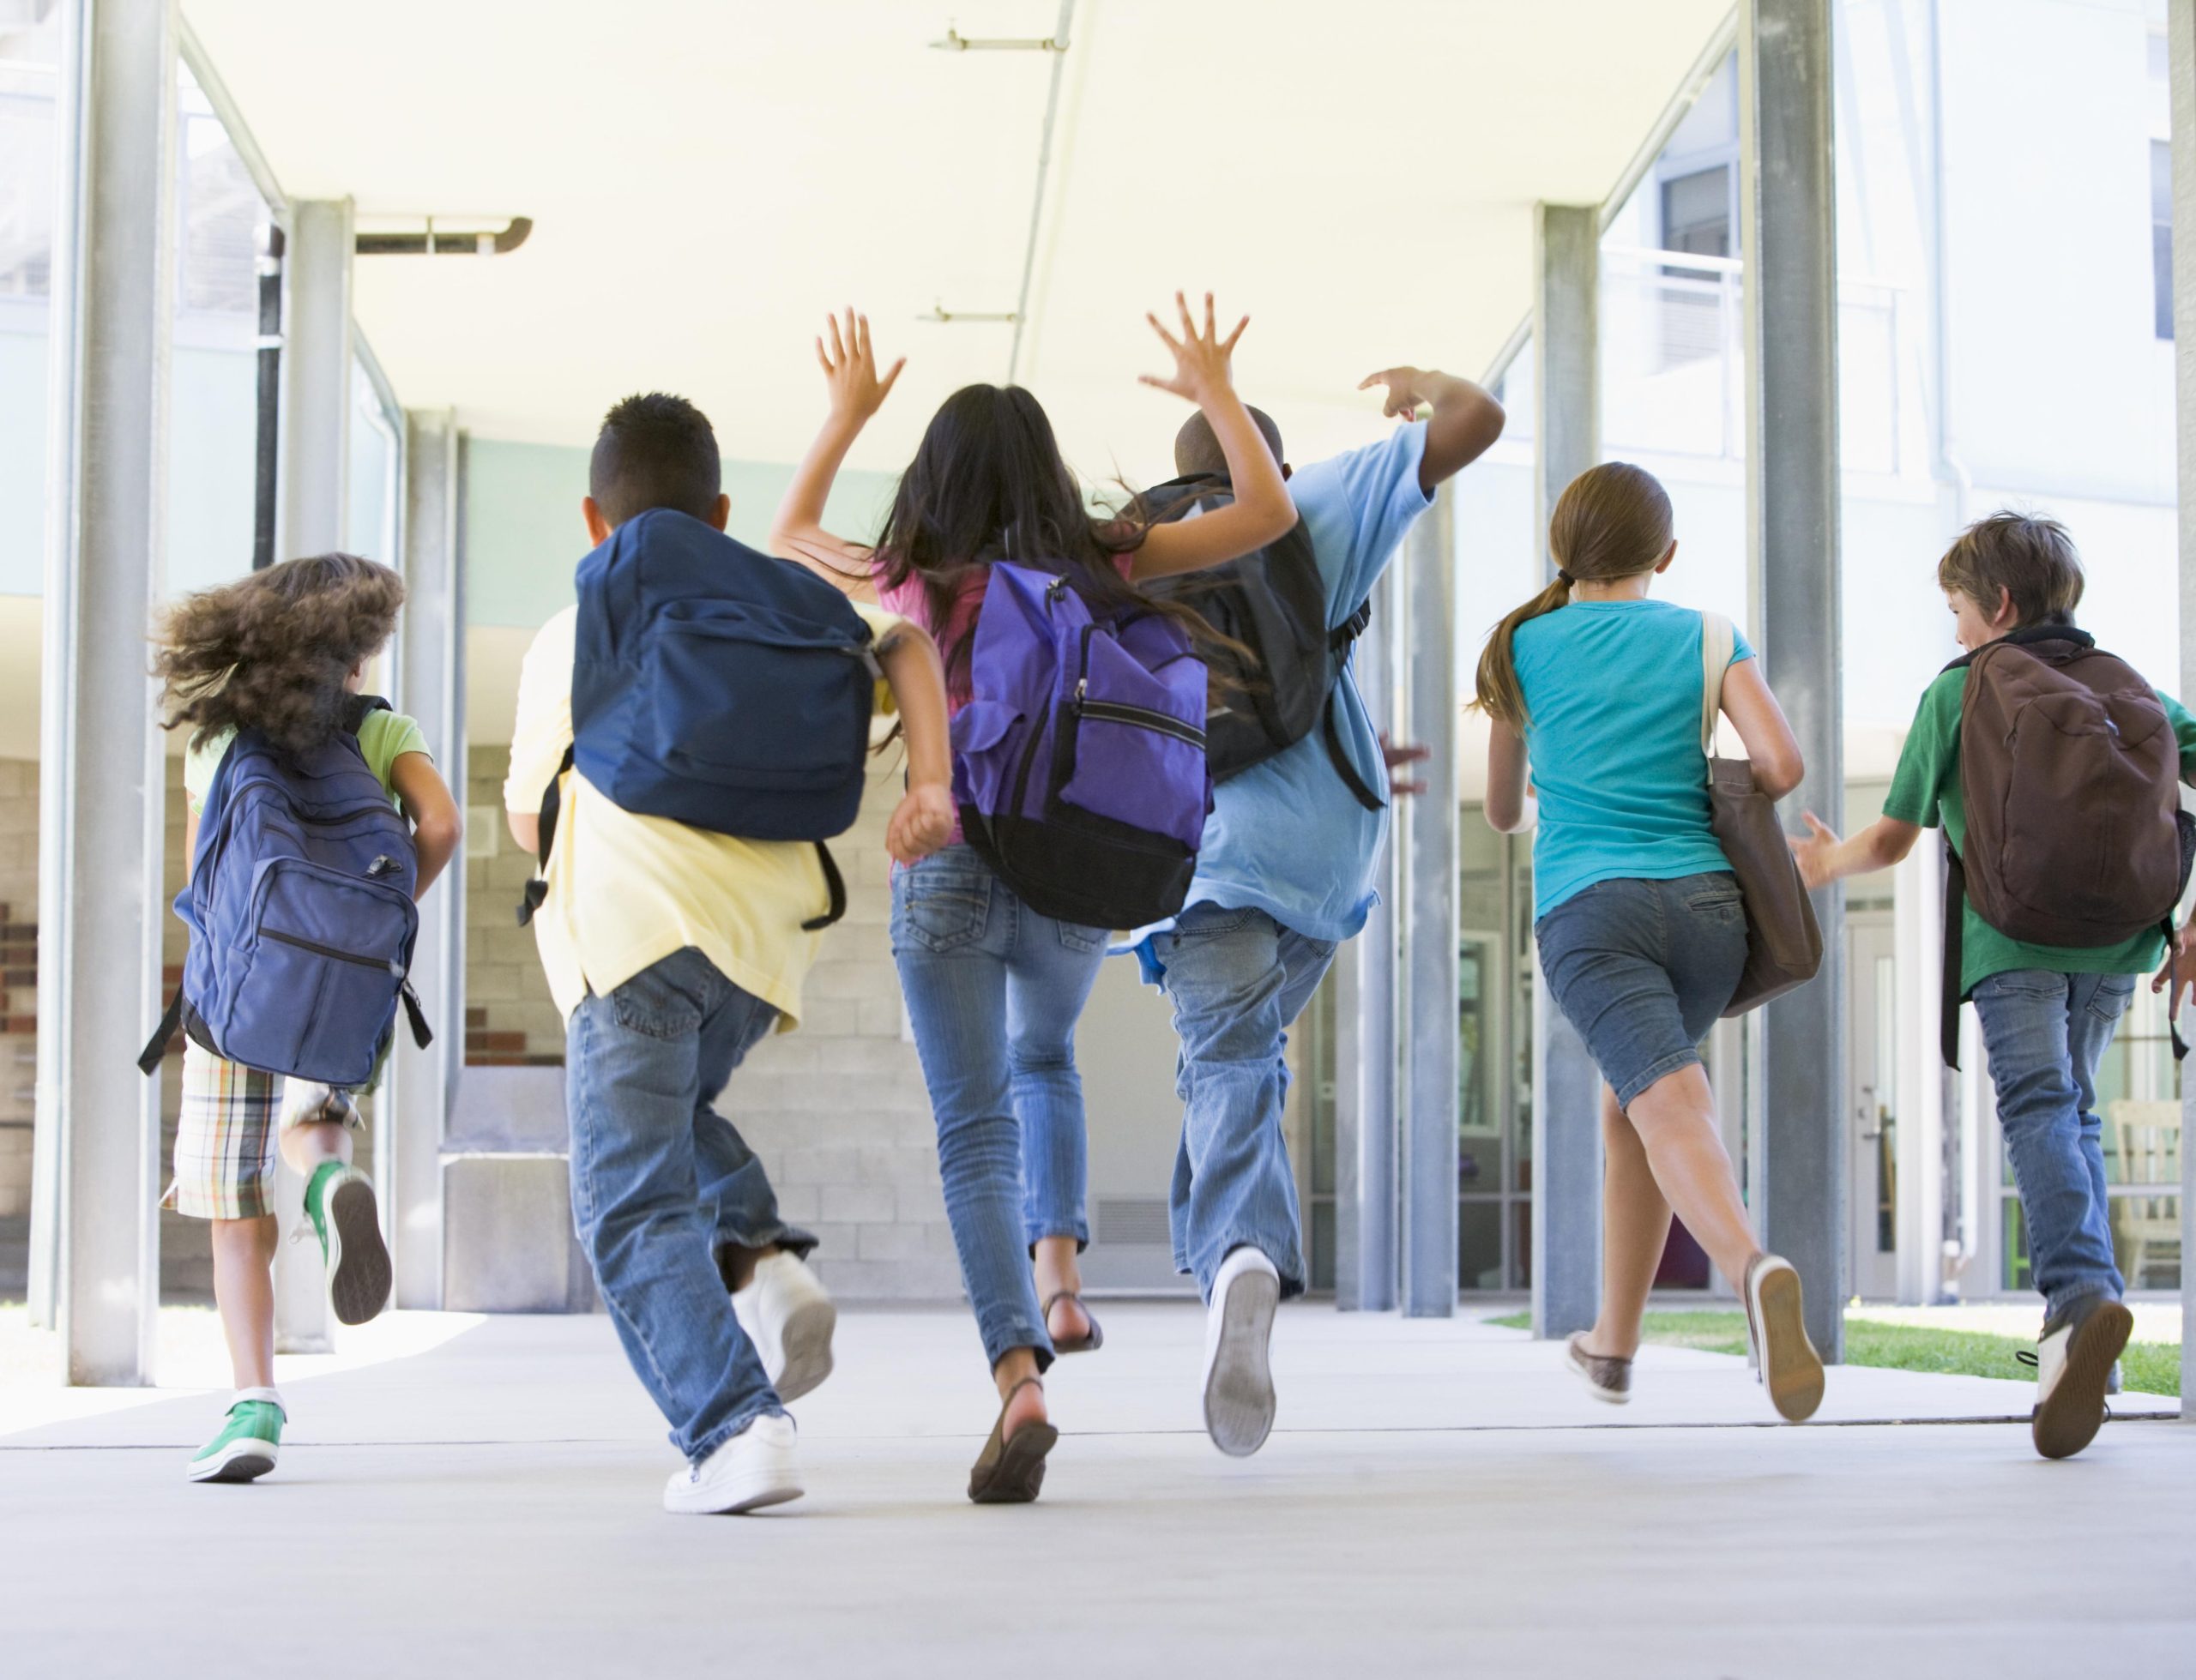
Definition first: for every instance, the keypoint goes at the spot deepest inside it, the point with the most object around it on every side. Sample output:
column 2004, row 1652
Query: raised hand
column 1201, row 370
column 1404, row 390
column 850, row 369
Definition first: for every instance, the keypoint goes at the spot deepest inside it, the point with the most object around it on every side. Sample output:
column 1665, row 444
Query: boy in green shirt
column 2048, row 1012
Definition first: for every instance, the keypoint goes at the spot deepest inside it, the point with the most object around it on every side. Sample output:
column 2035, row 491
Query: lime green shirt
column 384, row 738
column 1925, row 790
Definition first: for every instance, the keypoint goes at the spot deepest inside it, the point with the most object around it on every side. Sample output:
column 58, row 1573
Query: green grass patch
column 2150, row 1368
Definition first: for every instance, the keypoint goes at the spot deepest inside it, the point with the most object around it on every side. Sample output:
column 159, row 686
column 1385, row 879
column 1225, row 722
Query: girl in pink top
column 994, row 989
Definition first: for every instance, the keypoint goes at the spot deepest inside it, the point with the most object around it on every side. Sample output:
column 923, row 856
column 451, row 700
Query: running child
column 2049, row 1011
column 1595, row 693
column 283, row 651
column 994, row 989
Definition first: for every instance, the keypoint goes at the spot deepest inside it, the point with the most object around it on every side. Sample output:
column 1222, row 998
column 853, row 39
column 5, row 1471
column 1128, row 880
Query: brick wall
column 18, row 980
column 509, row 1021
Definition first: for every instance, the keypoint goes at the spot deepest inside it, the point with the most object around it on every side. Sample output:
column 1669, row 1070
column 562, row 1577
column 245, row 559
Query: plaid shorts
column 225, row 1139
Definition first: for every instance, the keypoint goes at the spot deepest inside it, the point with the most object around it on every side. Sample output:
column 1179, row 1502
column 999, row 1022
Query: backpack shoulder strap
column 1718, row 642
column 357, row 707
column 552, row 803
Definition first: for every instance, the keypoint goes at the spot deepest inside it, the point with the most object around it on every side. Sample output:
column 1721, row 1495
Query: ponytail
column 1612, row 521
column 1499, row 693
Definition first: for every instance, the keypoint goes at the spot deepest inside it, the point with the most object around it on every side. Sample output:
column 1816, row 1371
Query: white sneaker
column 1239, row 1398
column 757, row 1467
column 788, row 1315
column 1790, row 1368
column 2074, row 1362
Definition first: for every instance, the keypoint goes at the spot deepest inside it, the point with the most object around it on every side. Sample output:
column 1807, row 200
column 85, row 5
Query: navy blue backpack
column 299, row 908
column 723, row 689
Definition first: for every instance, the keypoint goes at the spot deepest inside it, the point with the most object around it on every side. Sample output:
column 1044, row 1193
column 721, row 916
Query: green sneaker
column 340, row 1200
column 247, row 1447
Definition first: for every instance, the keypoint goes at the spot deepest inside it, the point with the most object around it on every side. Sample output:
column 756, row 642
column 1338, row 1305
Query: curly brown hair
column 271, row 651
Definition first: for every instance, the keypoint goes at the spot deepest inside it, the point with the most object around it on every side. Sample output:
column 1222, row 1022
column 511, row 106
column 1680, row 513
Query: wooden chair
column 2148, row 1138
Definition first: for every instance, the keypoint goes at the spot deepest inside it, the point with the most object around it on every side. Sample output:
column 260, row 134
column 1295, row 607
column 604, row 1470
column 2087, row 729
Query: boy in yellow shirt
column 672, row 951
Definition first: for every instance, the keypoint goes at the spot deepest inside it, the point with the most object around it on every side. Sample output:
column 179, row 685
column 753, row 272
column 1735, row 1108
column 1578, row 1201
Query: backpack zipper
column 329, row 951
column 1139, row 716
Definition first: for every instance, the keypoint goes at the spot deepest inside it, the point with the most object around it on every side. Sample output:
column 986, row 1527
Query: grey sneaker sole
column 806, row 1343
column 238, row 1461
column 358, row 1275
column 2069, row 1420
column 1239, row 1397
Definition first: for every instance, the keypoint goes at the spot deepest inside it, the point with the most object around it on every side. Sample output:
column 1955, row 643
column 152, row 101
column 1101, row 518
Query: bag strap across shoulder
column 1718, row 642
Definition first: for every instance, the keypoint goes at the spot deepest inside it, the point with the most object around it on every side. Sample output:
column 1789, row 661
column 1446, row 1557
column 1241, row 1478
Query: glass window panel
column 1479, row 1243
column 2015, row 1275
column 1323, row 1246
column 2162, row 238
column 2146, row 1240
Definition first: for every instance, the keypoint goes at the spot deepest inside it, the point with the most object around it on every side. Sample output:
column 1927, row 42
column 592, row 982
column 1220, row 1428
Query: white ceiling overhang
column 706, row 177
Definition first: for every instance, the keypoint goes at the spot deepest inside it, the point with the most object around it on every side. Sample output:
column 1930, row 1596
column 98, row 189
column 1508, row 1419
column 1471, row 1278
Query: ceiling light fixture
column 939, row 316
column 431, row 241
column 955, row 41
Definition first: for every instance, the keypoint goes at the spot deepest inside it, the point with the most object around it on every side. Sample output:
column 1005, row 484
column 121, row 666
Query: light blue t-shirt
column 1612, row 735
column 1287, row 836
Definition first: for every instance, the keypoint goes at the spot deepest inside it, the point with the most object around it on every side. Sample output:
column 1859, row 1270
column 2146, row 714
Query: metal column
column 1365, row 1014
column 1787, row 221
column 103, row 784
column 1566, row 1249
column 313, row 463
column 1427, row 1007
column 2181, row 53
column 431, row 689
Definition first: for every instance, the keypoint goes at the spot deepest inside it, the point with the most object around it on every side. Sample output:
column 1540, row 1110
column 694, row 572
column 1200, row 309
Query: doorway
column 1872, row 1086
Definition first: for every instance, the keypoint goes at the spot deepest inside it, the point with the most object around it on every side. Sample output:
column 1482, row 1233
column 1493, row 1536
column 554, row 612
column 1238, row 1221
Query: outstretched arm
column 924, row 819
column 856, row 392
column 1463, row 425
column 1823, row 857
column 1261, row 509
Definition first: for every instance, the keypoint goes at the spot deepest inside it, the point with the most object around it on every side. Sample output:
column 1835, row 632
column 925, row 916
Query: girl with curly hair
column 284, row 651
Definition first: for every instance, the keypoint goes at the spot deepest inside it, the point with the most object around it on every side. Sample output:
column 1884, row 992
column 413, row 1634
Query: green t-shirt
column 384, row 738
column 1925, row 788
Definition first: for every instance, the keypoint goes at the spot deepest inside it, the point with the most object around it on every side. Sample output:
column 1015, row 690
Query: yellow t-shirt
column 626, row 891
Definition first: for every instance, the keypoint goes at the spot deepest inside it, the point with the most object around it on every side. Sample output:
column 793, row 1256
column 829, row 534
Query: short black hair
column 655, row 451
column 1197, row 450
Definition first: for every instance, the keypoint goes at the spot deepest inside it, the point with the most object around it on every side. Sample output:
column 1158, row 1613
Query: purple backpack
column 1079, row 765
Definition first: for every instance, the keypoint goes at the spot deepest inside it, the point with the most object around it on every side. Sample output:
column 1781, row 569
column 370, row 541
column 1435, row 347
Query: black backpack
column 1275, row 603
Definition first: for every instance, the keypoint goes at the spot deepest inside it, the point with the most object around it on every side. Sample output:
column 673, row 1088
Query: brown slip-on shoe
column 1011, row 1468
column 1608, row 1379
column 1790, row 1368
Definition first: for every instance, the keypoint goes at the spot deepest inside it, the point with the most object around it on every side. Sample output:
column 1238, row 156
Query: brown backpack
column 2071, row 774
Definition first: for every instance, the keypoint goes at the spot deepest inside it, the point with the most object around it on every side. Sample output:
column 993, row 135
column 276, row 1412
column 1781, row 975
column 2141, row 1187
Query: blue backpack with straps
column 300, row 912
column 719, row 687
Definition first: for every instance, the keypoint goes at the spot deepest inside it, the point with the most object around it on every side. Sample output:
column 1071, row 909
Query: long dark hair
column 988, row 484
column 272, row 650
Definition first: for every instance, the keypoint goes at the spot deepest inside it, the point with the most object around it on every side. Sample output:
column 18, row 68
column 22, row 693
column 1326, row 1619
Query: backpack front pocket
column 314, row 989
column 1130, row 752
column 739, row 710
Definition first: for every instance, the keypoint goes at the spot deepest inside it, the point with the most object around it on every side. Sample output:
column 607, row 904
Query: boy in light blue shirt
column 1284, row 875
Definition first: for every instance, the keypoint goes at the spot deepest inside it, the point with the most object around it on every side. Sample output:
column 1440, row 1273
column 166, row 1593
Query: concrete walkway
column 1436, row 1493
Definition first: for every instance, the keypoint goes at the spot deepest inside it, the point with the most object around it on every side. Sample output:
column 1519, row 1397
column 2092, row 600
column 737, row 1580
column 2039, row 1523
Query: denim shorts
column 1643, row 968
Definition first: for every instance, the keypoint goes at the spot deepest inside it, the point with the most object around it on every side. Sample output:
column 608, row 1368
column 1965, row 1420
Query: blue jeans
column 660, row 1182
column 1643, row 968
column 2045, row 1032
column 1238, row 979
column 993, row 992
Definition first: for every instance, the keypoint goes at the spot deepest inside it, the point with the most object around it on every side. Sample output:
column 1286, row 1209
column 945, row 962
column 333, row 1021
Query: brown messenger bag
column 1783, row 940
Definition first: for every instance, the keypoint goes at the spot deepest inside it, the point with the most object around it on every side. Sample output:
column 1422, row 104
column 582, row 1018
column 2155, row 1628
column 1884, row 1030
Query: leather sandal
column 1088, row 1344
column 1011, row 1468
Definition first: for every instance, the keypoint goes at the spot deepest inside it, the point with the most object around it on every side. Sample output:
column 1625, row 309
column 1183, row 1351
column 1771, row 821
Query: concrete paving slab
column 1436, row 1493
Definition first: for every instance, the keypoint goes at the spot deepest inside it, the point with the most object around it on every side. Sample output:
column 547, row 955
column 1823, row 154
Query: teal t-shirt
column 1612, row 735
column 1925, row 790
